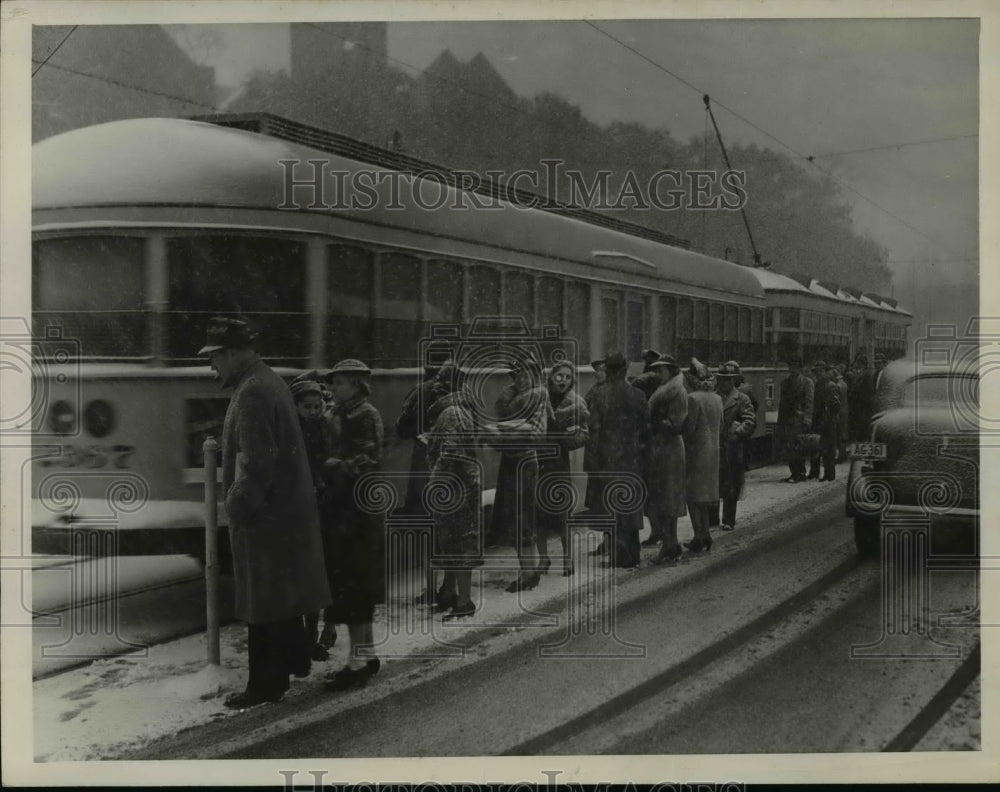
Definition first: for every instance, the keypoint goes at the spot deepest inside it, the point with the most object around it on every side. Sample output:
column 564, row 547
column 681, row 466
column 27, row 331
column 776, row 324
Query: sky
column 907, row 88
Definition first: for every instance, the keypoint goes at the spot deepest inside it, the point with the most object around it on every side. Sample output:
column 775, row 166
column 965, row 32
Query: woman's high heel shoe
column 698, row 544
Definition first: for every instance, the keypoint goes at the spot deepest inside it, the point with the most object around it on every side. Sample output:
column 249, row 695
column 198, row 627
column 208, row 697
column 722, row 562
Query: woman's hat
column 595, row 364
column 699, row 370
column 729, row 369
column 350, row 366
column 651, row 356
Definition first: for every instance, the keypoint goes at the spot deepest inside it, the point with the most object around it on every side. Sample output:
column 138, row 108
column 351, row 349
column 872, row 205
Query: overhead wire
column 767, row 134
column 54, row 50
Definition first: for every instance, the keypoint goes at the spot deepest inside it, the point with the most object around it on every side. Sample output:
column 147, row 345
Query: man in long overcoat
column 826, row 423
column 273, row 517
column 619, row 438
column 738, row 423
column 665, row 471
column 702, row 429
column 795, row 406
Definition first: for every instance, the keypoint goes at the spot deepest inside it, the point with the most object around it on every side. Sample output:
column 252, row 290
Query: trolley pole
column 211, row 450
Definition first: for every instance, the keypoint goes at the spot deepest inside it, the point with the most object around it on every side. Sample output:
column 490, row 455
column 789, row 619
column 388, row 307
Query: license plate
column 868, row 450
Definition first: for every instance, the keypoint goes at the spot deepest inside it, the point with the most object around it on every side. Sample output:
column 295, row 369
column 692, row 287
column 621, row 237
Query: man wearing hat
column 618, row 443
column 826, row 423
column 273, row 520
column 649, row 380
column 795, row 407
column 666, row 472
column 738, row 423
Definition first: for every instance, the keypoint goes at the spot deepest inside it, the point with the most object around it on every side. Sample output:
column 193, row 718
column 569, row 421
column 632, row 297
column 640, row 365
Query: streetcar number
column 868, row 450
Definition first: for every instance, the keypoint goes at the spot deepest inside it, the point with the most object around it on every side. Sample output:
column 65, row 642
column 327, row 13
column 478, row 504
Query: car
column 920, row 465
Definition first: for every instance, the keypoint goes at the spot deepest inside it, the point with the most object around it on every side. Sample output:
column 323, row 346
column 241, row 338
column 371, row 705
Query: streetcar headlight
column 99, row 417
column 62, row 418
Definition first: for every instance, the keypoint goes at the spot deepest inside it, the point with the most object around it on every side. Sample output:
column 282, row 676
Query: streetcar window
column 685, row 331
column 484, row 294
column 444, row 292
column 578, row 317
column 788, row 317
column 397, row 314
column 259, row 279
column 745, row 351
column 701, row 331
column 550, row 302
column 635, row 328
column 350, row 279
column 612, row 322
column 717, row 345
column 93, row 289
column 519, row 296
column 668, row 325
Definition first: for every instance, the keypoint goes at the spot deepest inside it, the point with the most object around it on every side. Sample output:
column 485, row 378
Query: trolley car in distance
column 175, row 221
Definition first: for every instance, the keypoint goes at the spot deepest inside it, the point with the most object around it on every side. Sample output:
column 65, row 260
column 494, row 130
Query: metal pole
column 211, row 449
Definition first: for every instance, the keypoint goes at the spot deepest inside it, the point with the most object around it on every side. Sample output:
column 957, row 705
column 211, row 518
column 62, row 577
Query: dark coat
column 702, row 429
column 271, row 503
column 738, row 424
column 795, row 412
column 567, row 429
column 619, row 434
column 647, row 382
column 356, row 536
column 843, row 428
column 666, row 472
column 514, row 514
column 861, row 397
column 826, row 412
column 415, row 418
column 593, row 492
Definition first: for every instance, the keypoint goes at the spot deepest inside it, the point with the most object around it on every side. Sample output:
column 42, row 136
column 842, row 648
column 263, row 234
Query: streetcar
column 143, row 229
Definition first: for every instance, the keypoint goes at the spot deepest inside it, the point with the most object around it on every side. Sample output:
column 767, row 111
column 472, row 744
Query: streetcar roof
column 774, row 282
column 176, row 162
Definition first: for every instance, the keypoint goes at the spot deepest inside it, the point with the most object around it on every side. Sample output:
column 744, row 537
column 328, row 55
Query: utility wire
column 129, row 86
column 767, row 134
column 54, row 51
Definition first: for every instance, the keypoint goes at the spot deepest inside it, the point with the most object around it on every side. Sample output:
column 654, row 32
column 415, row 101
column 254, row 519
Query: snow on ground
column 120, row 704
column 960, row 728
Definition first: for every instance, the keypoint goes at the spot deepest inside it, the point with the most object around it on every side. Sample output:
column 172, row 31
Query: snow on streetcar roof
column 775, row 282
column 155, row 162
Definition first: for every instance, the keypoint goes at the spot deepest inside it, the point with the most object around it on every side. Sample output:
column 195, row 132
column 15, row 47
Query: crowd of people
column 820, row 411
column 308, row 551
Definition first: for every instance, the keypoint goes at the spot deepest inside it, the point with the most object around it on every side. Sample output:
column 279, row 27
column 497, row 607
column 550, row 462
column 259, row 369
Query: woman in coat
column 356, row 550
column 525, row 403
column 702, row 429
column 567, row 429
column 455, row 487
column 738, row 423
column 666, row 476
